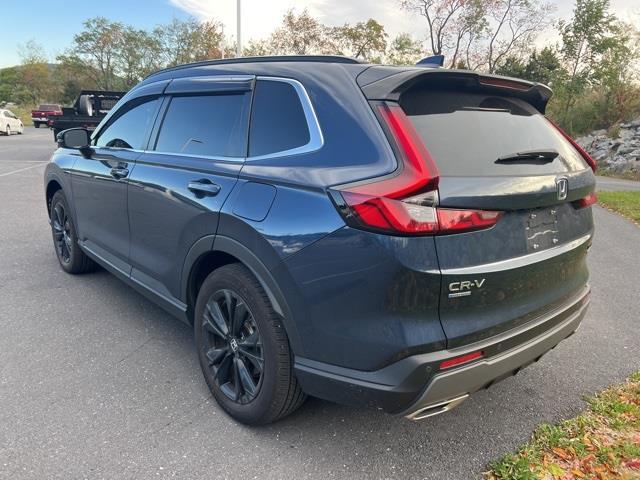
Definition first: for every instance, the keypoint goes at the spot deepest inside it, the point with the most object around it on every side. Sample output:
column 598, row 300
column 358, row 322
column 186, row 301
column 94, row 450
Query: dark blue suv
column 389, row 237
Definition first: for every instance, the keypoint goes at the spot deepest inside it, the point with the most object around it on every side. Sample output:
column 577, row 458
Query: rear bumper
column 415, row 387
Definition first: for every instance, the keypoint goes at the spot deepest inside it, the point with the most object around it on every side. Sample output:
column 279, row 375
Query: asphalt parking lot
column 97, row 382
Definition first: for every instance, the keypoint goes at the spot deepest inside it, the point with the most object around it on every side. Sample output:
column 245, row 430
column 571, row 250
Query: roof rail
column 264, row 59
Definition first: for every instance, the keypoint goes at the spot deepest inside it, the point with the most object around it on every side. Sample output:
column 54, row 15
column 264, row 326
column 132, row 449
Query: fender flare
column 51, row 175
column 220, row 243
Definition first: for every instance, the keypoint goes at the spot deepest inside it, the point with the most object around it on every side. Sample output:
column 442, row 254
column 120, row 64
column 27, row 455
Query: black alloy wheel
column 65, row 242
column 243, row 348
column 232, row 346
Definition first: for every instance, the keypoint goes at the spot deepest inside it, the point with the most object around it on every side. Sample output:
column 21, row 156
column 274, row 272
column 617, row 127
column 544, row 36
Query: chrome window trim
column 213, row 78
column 316, row 138
column 204, row 157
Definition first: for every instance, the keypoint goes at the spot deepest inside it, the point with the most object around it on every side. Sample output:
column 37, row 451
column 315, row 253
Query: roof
column 264, row 59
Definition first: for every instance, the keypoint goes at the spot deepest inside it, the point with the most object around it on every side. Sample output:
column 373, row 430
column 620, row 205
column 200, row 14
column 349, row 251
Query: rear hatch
column 494, row 152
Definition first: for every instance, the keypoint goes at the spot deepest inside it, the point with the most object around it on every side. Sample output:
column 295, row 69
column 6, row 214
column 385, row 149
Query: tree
column 97, row 47
column 257, row 48
column 35, row 73
column 542, row 67
column 138, row 55
column 404, row 50
column 480, row 33
column 510, row 26
column 189, row 41
column 364, row 40
column 545, row 67
column 31, row 52
column 617, row 75
column 513, row 66
column 449, row 23
column 585, row 39
column 300, row 35
column 71, row 77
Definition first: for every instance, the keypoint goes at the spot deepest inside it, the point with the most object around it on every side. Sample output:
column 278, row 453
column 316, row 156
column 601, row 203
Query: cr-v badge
column 464, row 288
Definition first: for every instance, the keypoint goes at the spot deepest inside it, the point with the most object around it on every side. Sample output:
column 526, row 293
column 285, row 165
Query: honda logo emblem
column 562, row 185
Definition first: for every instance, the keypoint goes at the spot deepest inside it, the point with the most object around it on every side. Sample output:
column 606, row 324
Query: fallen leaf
column 634, row 463
column 561, row 453
column 555, row 470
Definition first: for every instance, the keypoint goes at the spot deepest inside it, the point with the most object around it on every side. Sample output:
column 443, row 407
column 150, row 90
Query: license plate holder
column 541, row 227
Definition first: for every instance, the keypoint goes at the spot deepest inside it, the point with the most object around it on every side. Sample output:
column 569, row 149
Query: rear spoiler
column 388, row 83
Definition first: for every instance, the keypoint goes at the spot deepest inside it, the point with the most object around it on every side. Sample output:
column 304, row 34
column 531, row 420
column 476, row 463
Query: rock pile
column 620, row 154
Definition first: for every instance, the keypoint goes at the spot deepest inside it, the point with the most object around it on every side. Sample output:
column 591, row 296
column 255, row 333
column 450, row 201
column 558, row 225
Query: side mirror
column 76, row 138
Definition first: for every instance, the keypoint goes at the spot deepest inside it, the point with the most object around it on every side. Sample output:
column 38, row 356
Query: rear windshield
column 48, row 108
column 467, row 133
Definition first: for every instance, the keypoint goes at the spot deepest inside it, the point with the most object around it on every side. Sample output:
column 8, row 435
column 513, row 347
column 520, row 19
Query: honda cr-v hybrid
column 389, row 237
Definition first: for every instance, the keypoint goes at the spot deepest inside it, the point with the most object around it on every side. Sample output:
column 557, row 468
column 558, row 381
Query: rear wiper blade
column 535, row 155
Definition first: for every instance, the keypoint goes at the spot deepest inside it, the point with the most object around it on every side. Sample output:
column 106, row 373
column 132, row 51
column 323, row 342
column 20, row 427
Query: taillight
column 406, row 203
column 586, row 201
column 461, row 360
column 583, row 153
column 466, row 220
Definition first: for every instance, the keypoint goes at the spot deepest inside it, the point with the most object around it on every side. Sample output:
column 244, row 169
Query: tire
column 85, row 106
column 253, row 380
column 65, row 241
column 7, row 131
column 36, row 124
column 21, row 130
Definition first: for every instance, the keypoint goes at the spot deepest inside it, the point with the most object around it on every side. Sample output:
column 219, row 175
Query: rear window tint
column 209, row 125
column 278, row 122
column 467, row 132
column 48, row 108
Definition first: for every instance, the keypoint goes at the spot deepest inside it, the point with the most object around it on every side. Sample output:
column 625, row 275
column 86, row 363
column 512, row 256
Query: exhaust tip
column 436, row 408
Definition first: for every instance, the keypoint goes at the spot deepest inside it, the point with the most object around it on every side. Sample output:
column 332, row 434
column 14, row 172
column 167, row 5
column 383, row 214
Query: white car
column 9, row 123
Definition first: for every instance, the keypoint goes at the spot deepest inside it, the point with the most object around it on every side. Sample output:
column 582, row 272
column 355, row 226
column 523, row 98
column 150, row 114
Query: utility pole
column 239, row 32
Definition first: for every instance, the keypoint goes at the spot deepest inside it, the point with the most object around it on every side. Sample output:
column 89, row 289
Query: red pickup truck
column 40, row 115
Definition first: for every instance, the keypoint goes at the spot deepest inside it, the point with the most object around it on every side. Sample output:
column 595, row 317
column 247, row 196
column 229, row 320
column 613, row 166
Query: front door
column 99, row 183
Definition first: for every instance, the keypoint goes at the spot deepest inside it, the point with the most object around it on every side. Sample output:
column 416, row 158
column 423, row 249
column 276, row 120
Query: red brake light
column 466, row 220
column 586, row 201
column 504, row 83
column 587, row 158
column 406, row 203
column 453, row 362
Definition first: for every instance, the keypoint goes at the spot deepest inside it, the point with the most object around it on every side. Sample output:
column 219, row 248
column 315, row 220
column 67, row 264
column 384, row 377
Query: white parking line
column 21, row 170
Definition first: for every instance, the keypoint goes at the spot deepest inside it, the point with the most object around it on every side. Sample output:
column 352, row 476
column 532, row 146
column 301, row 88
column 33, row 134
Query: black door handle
column 204, row 187
column 119, row 172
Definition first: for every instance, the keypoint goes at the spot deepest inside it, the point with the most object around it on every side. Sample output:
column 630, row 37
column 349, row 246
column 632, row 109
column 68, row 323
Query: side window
column 130, row 129
column 278, row 122
column 209, row 125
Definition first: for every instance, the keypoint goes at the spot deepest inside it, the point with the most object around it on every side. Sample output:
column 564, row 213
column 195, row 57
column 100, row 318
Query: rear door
column 182, row 180
column 497, row 152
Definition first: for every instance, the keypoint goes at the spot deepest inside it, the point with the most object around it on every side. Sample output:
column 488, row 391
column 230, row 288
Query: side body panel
column 364, row 300
column 167, row 218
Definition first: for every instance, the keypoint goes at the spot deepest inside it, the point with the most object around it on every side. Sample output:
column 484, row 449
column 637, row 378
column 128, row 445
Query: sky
column 53, row 24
